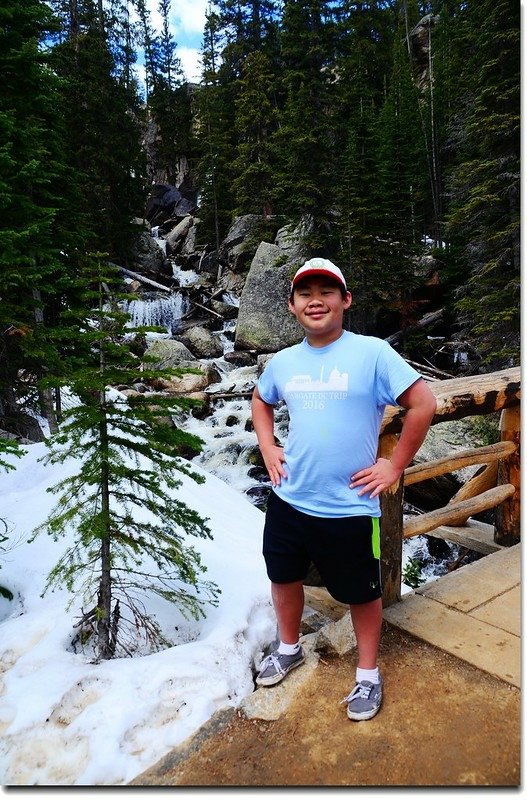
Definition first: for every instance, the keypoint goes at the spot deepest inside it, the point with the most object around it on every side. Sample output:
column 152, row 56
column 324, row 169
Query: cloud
column 191, row 63
column 187, row 20
column 189, row 17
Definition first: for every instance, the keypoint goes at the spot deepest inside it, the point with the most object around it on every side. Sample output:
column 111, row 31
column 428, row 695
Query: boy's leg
column 288, row 603
column 367, row 622
column 366, row 698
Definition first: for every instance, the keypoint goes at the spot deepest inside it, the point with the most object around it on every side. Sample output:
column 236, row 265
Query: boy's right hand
column 274, row 459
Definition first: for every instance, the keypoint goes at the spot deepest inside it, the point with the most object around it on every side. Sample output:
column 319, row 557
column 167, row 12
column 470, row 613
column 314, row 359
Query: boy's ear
column 290, row 305
column 348, row 300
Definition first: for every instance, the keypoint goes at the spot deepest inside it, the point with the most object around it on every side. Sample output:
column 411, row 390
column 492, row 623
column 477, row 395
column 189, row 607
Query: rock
column 226, row 310
column 166, row 201
column 189, row 245
column 147, row 255
column 240, row 358
column 264, row 322
column 271, row 703
column 169, row 353
column 291, row 239
column 202, row 343
column 237, row 249
column 337, row 637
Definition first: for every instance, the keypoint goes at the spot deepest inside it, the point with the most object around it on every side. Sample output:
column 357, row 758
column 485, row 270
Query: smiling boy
column 324, row 507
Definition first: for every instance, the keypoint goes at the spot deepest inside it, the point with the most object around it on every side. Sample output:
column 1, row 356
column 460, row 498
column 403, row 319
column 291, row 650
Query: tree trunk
column 105, row 650
column 105, row 584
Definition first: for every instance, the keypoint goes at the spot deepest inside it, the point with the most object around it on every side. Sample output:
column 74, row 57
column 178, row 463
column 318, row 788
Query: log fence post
column 391, row 530
column 507, row 520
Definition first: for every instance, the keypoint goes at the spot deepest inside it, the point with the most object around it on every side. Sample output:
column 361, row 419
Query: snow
column 67, row 721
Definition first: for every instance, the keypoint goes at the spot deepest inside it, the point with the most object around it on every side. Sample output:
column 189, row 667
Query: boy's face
column 318, row 305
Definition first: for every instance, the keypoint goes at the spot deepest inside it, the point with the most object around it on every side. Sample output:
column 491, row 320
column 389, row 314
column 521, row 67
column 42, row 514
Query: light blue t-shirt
column 335, row 397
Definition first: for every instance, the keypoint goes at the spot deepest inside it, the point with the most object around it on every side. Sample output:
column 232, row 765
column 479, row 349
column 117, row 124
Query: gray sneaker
column 364, row 701
column 276, row 666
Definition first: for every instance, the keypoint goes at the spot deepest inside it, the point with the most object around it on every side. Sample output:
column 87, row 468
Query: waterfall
column 164, row 311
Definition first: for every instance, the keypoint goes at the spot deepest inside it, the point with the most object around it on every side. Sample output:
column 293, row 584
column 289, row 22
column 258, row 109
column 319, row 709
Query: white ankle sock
column 288, row 649
column 371, row 675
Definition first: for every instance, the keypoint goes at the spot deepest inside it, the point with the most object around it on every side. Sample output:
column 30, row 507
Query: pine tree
column 104, row 127
column 216, row 138
column 255, row 122
column 131, row 530
column 302, row 143
column 362, row 64
column 169, row 104
column 484, row 216
column 40, row 228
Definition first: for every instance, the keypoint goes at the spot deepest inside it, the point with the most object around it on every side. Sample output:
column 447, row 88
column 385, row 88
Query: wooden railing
column 497, row 486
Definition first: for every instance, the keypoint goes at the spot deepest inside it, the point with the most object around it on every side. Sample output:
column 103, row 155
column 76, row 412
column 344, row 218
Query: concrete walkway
column 473, row 613
column 451, row 715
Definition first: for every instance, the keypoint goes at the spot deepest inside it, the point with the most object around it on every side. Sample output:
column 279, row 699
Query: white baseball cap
column 319, row 266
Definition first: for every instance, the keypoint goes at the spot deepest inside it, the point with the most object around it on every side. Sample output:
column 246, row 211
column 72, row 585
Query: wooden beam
column 475, row 535
column 474, row 395
column 464, row 458
column 457, row 512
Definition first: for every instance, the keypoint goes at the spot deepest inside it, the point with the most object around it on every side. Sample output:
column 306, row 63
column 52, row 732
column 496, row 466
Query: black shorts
column 345, row 550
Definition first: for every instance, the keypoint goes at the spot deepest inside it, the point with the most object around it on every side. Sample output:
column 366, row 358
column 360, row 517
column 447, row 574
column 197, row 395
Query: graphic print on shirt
column 314, row 392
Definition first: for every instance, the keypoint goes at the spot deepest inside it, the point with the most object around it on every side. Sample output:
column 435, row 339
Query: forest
column 393, row 126
column 392, row 143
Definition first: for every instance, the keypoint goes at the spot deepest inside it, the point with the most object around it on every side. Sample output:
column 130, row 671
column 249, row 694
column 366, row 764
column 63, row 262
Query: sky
column 188, row 23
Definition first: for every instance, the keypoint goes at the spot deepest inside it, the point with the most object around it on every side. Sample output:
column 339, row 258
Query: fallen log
column 432, row 318
column 142, row 279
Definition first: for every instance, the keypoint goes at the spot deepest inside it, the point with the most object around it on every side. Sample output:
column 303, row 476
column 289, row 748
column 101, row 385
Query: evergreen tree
column 302, row 143
column 255, row 121
column 216, row 137
column 131, row 529
column 484, row 217
column 169, row 105
column 104, row 127
column 362, row 64
column 40, row 227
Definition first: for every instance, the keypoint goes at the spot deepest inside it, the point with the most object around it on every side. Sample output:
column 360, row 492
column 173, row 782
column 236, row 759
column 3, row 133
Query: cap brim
column 310, row 272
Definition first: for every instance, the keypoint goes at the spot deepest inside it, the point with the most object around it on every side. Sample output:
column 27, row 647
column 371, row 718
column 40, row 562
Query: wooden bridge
column 496, row 485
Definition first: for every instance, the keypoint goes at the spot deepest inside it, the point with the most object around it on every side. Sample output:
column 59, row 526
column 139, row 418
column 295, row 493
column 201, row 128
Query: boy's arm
column 272, row 454
column 420, row 404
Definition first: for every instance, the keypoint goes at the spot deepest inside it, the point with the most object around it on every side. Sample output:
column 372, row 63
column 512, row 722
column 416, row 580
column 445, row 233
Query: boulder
column 202, row 343
column 238, row 247
column 169, row 353
column 264, row 321
column 167, row 201
column 147, row 255
column 291, row 239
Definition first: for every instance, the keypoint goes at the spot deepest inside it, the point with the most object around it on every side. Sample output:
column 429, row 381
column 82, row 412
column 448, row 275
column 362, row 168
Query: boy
column 324, row 507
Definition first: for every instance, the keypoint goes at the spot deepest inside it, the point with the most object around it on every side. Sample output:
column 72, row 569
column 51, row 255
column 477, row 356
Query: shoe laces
column 360, row 690
column 271, row 660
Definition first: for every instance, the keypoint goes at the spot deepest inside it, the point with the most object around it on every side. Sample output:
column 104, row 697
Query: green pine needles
column 131, row 529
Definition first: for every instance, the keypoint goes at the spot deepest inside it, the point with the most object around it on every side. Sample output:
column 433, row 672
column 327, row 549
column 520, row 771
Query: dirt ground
column 442, row 723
